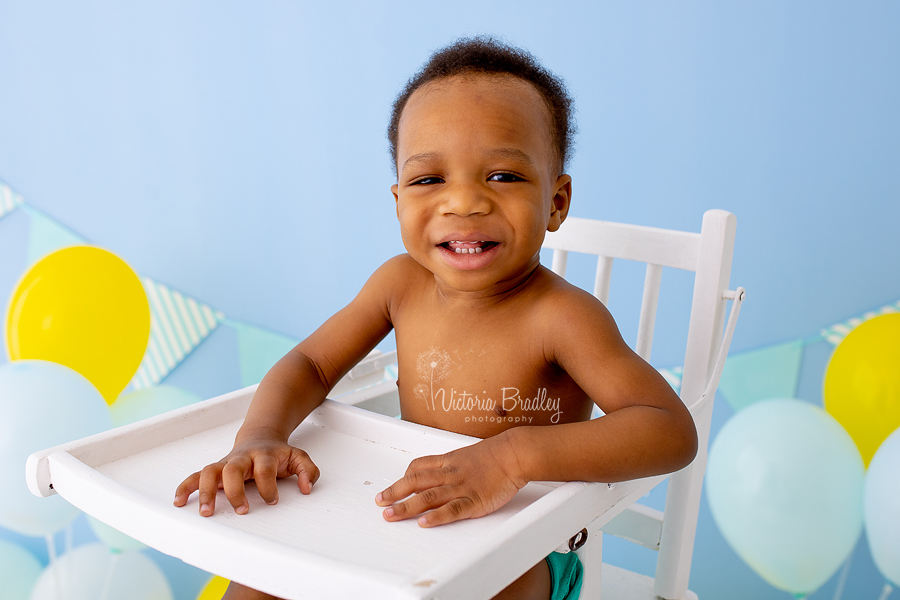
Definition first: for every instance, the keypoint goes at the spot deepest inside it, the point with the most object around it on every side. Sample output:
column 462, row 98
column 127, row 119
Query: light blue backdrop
column 236, row 152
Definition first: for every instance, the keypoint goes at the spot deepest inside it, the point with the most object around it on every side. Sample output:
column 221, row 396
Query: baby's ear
column 559, row 204
column 394, row 189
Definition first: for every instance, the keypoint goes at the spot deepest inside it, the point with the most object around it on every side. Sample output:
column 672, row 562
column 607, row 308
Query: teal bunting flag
column 259, row 350
column 767, row 373
column 46, row 235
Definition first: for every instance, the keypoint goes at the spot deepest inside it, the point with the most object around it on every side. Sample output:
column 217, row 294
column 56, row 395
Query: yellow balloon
column 215, row 589
column 84, row 308
column 862, row 383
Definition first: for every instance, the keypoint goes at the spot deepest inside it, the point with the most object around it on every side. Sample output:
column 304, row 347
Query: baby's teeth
column 458, row 250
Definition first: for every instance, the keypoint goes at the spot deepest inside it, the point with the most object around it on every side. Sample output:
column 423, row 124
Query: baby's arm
column 646, row 429
column 292, row 389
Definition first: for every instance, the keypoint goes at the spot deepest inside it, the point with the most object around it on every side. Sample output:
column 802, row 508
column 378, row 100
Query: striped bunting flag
column 9, row 200
column 178, row 324
column 836, row 333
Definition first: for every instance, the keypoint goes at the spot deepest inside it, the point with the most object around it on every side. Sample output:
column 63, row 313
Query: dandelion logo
column 421, row 391
column 433, row 366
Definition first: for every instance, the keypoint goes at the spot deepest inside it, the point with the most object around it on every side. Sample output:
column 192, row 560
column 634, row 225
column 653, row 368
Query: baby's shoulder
column 400, row 269
column 395, row 277
column 564, row 305
column 552, row 291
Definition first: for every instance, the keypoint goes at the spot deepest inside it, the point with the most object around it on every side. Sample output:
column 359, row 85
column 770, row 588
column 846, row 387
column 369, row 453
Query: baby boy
column 489, row 342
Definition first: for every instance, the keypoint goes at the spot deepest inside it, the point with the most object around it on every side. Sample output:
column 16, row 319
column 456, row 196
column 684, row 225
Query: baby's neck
column 489, row 296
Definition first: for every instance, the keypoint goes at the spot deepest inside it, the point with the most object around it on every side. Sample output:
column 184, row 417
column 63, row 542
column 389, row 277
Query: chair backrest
column 708, row 254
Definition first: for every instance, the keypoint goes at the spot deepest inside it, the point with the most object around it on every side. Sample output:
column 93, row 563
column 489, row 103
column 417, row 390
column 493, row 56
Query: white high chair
column 335, row 544
column 709, row 255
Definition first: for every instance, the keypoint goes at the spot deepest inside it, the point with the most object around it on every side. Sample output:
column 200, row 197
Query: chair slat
column 559, row 262
column 650, row 301
column 601, row 281
column 678, row 249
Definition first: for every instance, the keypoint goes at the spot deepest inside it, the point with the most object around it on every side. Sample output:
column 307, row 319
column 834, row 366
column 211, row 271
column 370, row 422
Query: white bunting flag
column 178, row 324
column 836, row 333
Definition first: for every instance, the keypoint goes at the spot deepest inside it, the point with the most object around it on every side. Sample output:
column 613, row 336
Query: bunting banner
column 259, row 350
column 771, row 372
column 47, row 235
column 180, row 324
column 836, row 333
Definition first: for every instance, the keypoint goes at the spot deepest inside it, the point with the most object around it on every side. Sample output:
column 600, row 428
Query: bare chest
column 479, row 376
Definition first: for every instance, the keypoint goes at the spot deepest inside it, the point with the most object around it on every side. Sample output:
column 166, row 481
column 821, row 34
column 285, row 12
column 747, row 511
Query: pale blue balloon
column 19, row 569
column 142, row 404
column 785, row 484
column 43, row 404
column 84, row 572
column 112, row 537
column 881, row 507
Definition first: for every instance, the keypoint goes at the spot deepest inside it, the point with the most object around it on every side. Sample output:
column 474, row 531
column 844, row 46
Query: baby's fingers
column 301, row 465
column 265, row 473
column 234, row 474
column 412, row 482
column 186, row 488
column 209, row 485
column 455, row 510
column 425, row 500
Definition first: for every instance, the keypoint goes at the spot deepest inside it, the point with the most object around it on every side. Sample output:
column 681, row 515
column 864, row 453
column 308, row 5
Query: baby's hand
column 261, row 458
column 464, row 484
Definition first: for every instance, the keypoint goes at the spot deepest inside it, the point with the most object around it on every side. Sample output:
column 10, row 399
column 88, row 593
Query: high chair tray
column 333, row 543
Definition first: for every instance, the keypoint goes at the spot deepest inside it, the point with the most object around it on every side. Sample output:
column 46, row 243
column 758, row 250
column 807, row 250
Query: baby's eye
column 504, row 177
column 427, row 181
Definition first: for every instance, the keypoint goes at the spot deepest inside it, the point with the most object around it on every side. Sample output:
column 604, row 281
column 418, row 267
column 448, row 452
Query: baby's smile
column 469, row 255
column 476, row 247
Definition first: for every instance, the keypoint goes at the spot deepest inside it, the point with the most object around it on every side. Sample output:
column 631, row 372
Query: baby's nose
column 466, row 200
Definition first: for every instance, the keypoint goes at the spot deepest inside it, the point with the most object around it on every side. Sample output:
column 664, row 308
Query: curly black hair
column 484, row 54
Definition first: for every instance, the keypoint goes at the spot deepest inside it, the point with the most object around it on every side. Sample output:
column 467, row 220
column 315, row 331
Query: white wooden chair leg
column 591, row 555
column 673, row 566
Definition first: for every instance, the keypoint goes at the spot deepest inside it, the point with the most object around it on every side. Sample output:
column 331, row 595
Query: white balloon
column 19, row 569
column 881, row 508
column 785, row 487
column 84, row 572
column 112, row 537
column 43, row 405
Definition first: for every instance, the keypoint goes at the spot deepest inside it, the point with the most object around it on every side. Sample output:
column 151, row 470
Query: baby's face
column 477, row 180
